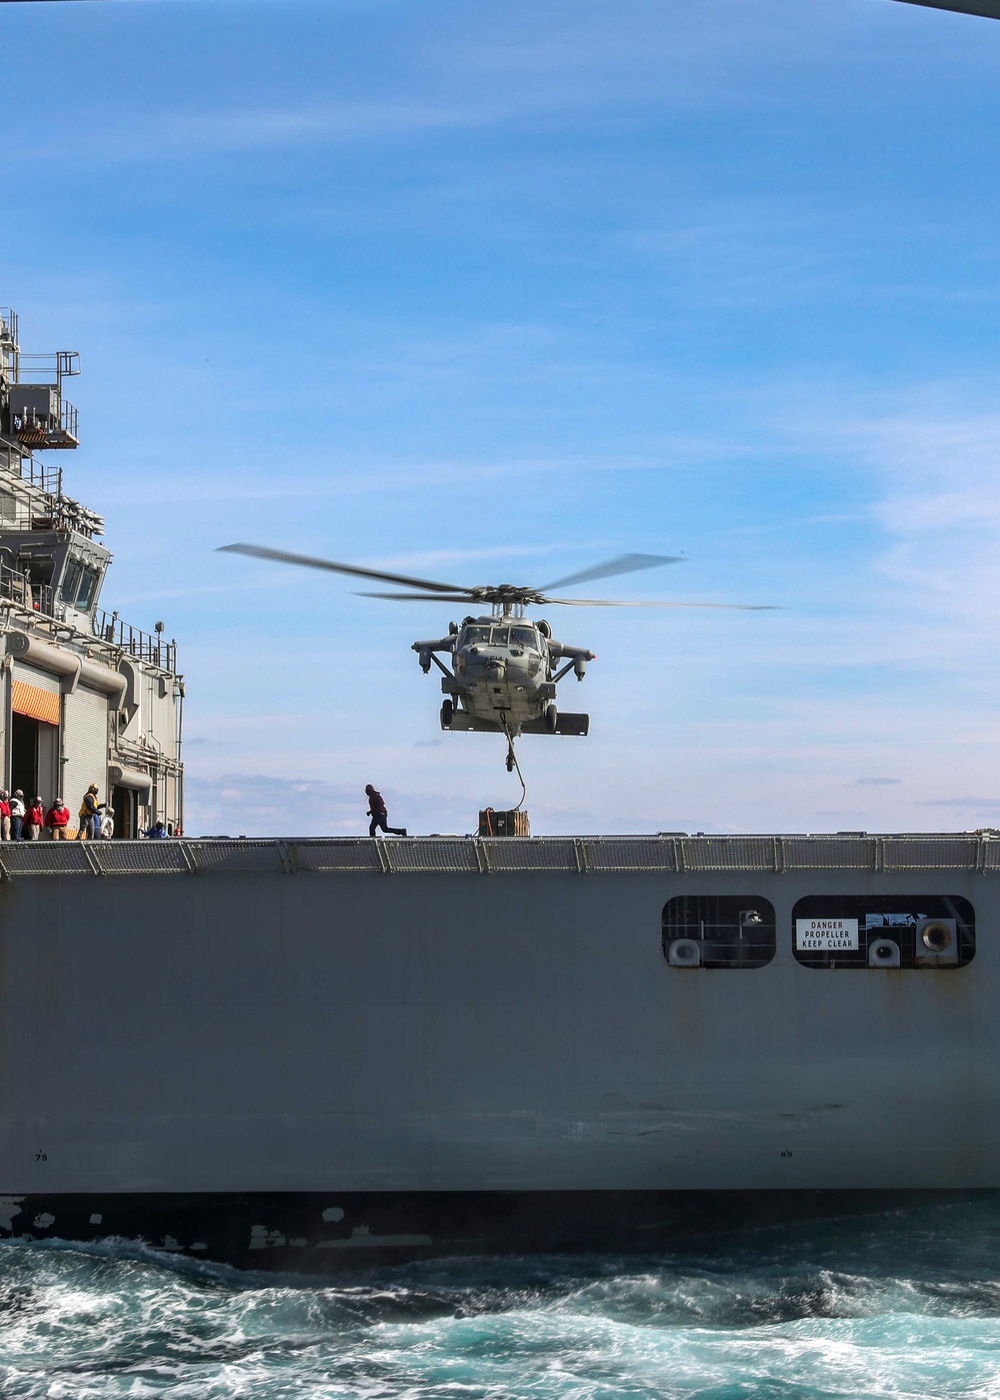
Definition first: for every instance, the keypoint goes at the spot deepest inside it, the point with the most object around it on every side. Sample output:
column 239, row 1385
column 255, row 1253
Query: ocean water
column 900, row 1306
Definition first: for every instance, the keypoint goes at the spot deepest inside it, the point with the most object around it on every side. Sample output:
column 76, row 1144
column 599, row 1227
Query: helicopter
column 504, row 667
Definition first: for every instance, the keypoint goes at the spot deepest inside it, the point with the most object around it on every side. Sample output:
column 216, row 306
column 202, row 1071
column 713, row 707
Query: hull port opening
column 718, row 931
column 870, row 931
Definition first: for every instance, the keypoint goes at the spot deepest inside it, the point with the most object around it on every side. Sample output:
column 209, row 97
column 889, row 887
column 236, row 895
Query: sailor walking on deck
column 379, row 815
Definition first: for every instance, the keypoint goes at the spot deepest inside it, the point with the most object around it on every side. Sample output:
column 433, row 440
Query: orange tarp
column 36, row 703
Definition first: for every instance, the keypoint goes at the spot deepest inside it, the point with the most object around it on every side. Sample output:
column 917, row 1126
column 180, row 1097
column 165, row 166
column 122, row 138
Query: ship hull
column 389, row 1062
column 302, row 1233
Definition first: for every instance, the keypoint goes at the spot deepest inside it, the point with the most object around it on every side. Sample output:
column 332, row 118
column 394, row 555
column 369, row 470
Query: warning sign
column 826, row 935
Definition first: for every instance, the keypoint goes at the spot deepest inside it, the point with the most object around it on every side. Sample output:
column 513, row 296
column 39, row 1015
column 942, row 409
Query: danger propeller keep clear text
column 826, row 935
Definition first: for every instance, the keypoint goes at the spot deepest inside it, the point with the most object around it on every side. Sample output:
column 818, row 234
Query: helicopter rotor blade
column 658, row 603
column 434, row 592
column 422, row 597
column 307, row 561
column 623, row 564
column 569, row 602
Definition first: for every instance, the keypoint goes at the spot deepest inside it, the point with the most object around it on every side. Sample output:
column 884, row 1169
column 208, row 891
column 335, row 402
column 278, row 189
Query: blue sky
column 497, row 291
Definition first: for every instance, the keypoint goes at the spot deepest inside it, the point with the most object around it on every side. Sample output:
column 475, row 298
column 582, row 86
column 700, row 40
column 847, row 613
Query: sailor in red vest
column 34, row 818
column 379, row 816
column 57, row 819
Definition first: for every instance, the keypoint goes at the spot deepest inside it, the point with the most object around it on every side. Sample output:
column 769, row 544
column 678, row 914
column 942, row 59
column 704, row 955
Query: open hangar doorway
column 34, row 743
column 124, row 804
column 130, row 790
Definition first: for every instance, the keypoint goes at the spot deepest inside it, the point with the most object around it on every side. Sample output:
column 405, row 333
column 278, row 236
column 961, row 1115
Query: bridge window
column 79, row 584
column 884, row 931
column 713, row 931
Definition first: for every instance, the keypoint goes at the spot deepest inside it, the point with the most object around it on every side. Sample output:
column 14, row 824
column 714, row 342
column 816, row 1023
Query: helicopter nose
column 496, row 670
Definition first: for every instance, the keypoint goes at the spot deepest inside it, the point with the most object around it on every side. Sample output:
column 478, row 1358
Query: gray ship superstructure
column 86, row 698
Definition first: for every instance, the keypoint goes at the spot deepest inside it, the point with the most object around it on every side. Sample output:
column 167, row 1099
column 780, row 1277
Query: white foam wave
column 887, row 1309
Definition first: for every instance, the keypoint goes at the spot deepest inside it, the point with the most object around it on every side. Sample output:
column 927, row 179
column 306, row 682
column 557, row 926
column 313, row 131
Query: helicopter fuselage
column 503, row 675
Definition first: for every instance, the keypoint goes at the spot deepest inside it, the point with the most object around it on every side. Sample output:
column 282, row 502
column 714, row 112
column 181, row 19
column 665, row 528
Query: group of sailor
column 24, row 821
column 21, row 820
column 97, row 820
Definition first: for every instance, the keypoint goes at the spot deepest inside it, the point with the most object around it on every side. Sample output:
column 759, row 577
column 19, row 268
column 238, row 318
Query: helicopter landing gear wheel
column 551, row 719
column 447, row 713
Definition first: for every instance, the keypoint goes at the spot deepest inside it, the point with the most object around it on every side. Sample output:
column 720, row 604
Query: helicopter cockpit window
column 523, row 637
column 475, row 634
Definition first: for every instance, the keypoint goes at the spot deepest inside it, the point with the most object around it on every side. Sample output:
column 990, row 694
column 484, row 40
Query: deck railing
column 48, row 367
column 27, row 468
column 46, row 478
column 69, row 420
column 16, row 587
column 145, row 646
column 977, row 853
